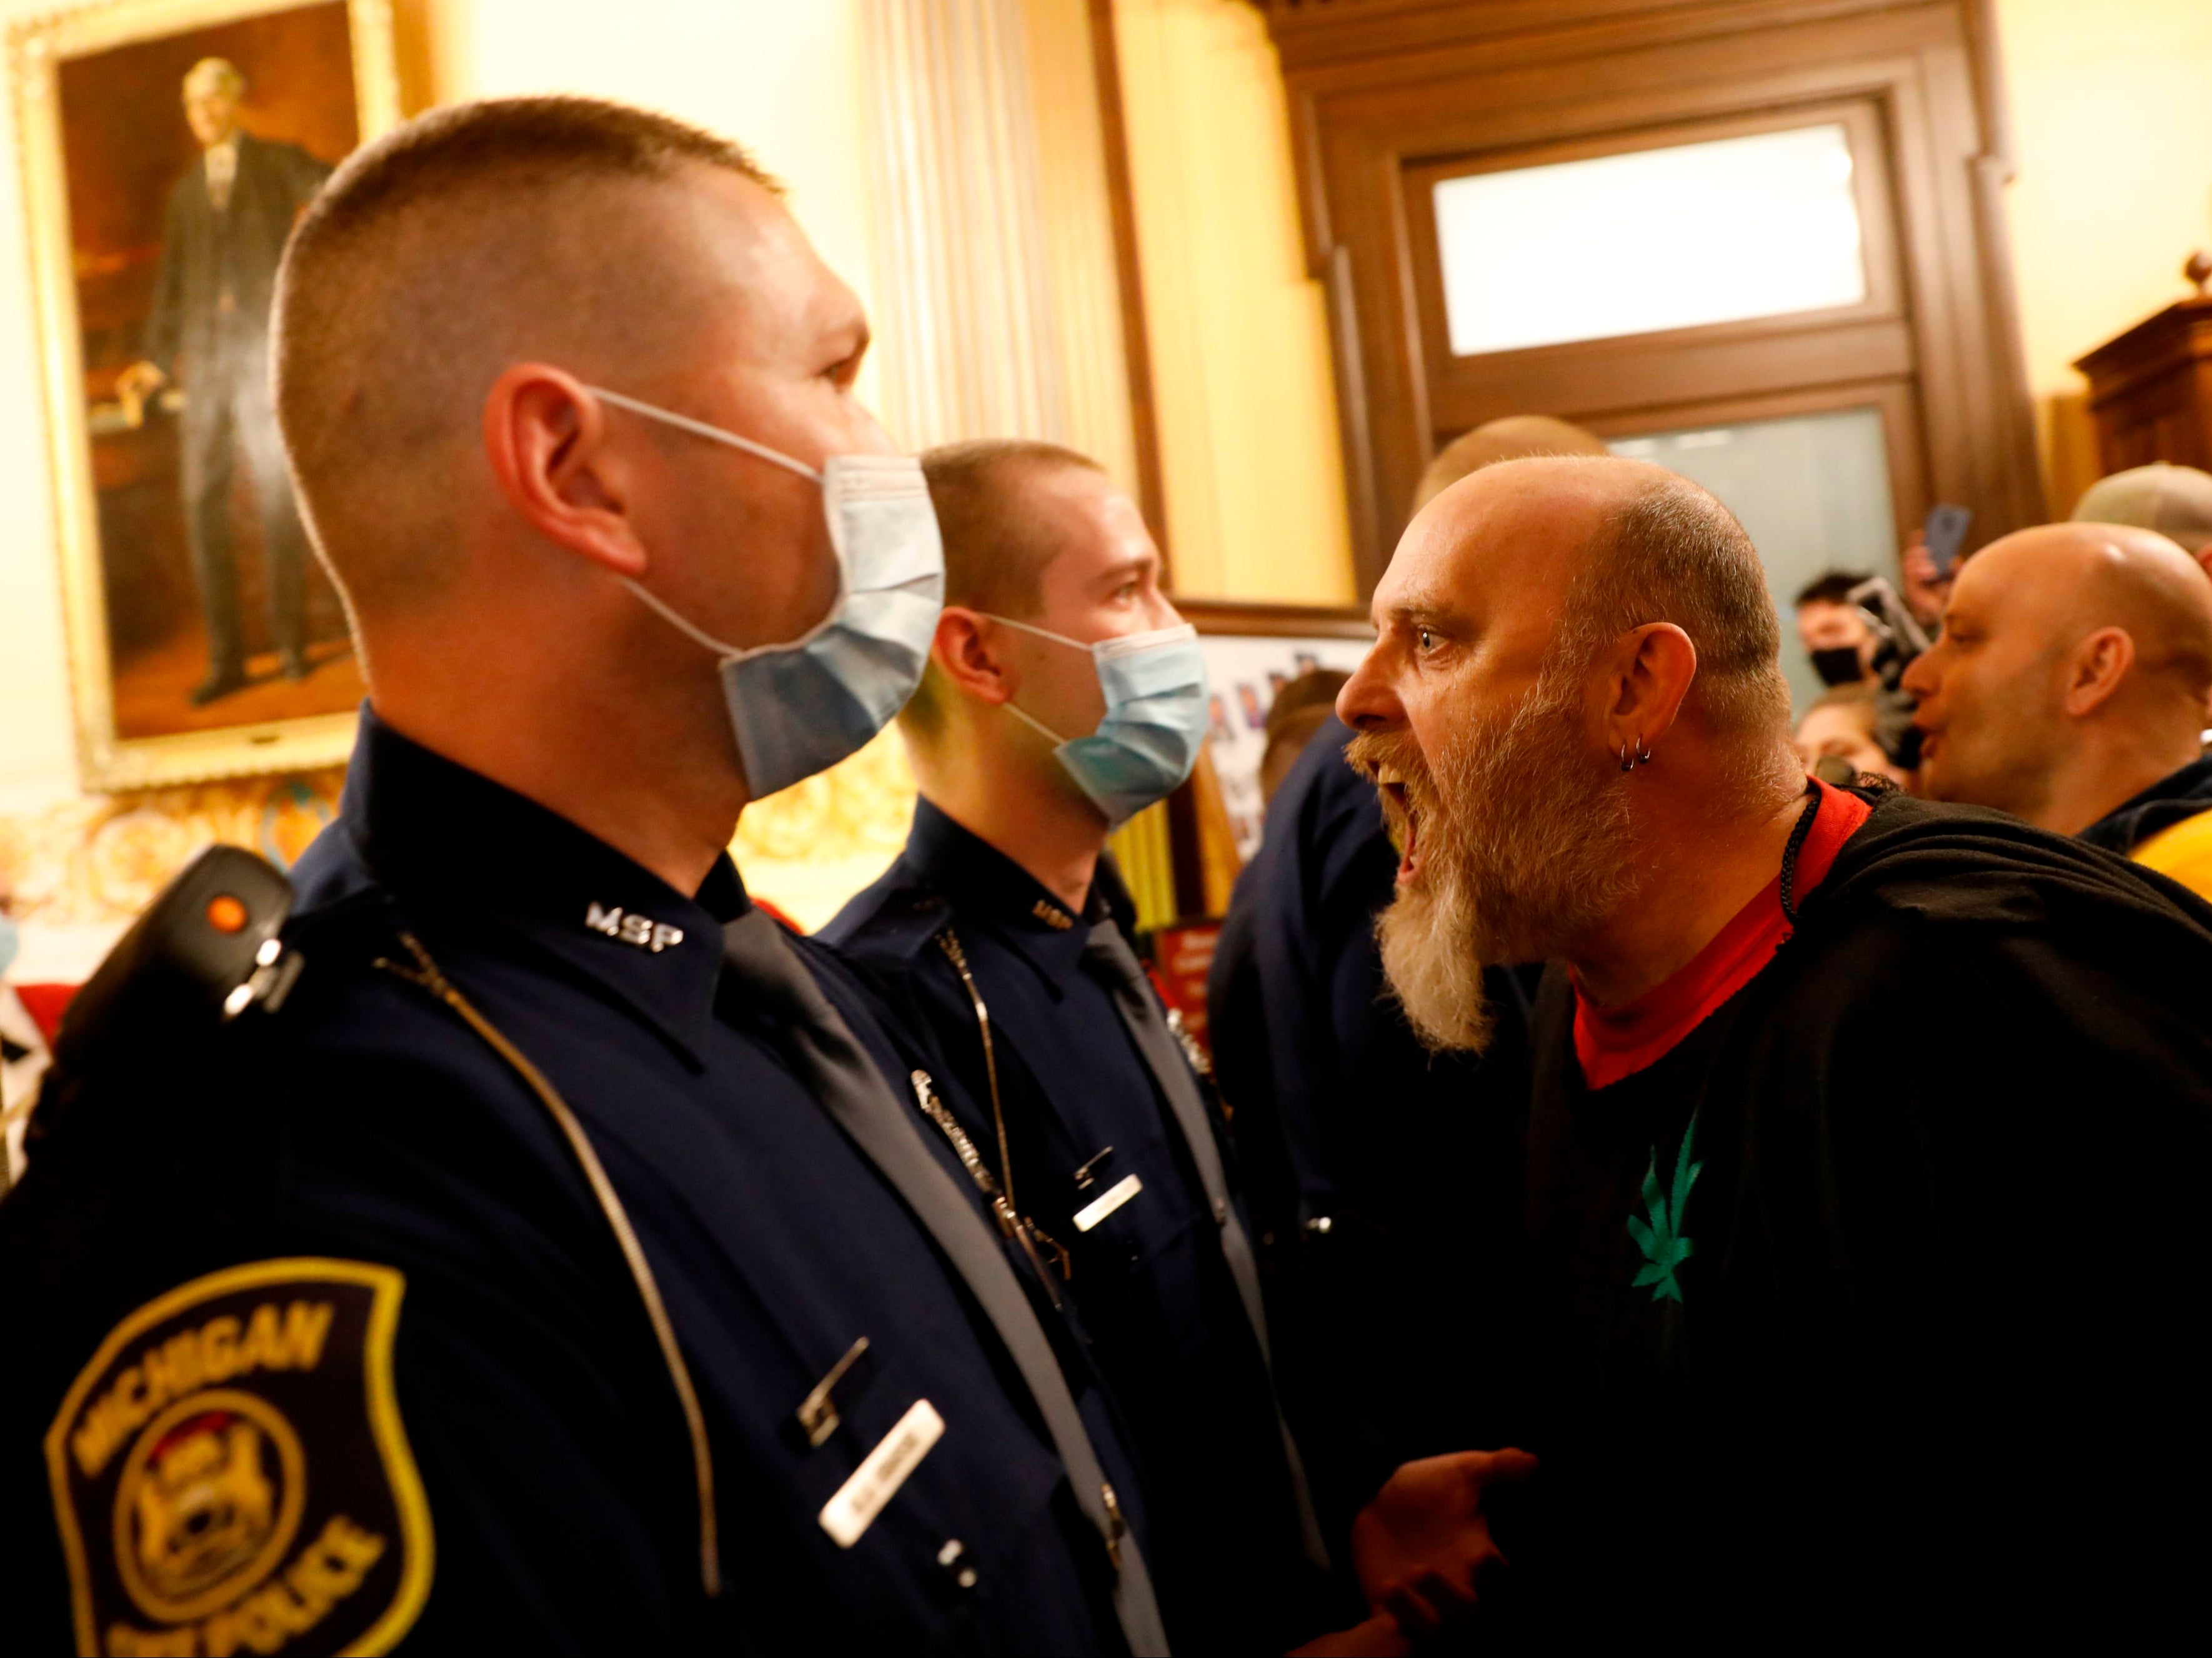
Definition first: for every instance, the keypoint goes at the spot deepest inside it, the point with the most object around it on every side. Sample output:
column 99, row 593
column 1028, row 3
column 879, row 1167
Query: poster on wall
column 168, row 148
column 1245, row 671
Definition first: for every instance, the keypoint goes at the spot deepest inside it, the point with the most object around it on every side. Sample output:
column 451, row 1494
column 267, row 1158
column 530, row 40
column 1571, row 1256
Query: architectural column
column 1001, row 310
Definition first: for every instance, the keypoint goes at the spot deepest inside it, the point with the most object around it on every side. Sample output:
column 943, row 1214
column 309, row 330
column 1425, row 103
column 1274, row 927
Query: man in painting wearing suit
column 208, row 331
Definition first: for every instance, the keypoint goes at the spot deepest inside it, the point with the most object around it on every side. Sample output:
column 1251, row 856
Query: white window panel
column 1679, row 237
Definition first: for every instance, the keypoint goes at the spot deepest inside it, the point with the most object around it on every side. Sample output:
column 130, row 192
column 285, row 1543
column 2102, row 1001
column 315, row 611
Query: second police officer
column 1064, row 695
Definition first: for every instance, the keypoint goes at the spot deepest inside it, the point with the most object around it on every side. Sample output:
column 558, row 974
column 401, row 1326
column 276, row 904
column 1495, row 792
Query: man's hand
column 134, row 385
column 1925, row 592
column 1423, row 1546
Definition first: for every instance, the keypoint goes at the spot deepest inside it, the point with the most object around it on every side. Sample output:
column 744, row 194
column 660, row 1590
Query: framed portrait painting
column 168, row 148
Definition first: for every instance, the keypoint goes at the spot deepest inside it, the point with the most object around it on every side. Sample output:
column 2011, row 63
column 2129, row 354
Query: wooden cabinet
column 2150, row 390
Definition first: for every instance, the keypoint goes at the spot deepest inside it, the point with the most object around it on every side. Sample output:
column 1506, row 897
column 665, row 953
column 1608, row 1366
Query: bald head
column 1516, row 437
column 2067, row 581
column 2174, row 501
column 1578, row 550
column 1576, row 684
column 577, row 233
column 2075, row 660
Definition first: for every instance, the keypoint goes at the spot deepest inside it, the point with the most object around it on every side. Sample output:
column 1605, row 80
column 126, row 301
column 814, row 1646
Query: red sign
column 1184, row 955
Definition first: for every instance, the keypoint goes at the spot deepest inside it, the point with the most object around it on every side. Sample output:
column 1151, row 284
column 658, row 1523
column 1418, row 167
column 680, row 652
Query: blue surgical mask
column 11, row 942
column 800, row 707
column 1155, row 718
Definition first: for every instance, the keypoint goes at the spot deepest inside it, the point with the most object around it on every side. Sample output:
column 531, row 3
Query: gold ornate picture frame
column 204, row 639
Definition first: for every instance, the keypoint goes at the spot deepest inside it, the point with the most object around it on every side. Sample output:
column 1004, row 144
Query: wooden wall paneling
column 1378, row 85
column 2150, row 390
column 1265, row 619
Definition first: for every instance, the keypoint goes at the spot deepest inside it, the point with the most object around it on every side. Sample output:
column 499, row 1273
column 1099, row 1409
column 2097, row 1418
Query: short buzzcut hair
column 995, row 557
column 994, row 550
column 1672, row 553
column 433, row 259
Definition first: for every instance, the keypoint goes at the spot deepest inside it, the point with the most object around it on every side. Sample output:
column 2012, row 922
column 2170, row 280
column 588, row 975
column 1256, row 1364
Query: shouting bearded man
column 1867, row 1273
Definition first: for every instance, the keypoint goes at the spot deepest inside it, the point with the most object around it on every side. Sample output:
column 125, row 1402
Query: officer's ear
column 547, row 440
column 967, row 652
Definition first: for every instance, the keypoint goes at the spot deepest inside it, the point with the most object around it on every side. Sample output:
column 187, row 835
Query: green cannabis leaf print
column 1660, row 1236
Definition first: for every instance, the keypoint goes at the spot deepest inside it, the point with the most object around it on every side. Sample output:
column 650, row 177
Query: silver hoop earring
column 1627, row 764
column 1642, row 754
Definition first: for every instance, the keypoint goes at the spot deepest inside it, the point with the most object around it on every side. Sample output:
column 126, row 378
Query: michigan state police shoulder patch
column 230, row 1475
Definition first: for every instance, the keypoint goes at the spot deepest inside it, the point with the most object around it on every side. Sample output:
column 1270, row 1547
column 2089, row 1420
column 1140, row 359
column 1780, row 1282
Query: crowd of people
column 2064, row 675
column 1650, row 1178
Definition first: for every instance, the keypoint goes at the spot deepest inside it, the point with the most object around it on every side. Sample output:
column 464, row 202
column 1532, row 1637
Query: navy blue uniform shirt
column 1386, row 1179
column 1083, row 1114
column 366, row 1123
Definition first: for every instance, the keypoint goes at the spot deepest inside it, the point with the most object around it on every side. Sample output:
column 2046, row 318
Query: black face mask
column 1838, row 665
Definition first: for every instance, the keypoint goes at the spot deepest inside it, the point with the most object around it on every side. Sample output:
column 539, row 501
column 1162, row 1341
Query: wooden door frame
column 1372, row 89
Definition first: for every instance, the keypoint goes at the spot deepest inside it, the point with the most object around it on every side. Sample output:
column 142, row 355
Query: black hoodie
column 1936, row 1363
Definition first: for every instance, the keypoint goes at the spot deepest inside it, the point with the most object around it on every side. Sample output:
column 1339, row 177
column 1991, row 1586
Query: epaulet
column 207, row 951
column 893, row 925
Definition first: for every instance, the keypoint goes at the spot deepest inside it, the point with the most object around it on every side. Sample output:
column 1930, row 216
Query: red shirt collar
column 1613, row 1042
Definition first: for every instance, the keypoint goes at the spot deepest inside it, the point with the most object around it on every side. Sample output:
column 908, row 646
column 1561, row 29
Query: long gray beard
column 1525, row 844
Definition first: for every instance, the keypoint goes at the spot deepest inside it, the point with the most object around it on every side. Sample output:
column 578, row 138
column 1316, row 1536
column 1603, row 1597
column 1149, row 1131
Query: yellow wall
column 2112, row 113
column 1246, row 405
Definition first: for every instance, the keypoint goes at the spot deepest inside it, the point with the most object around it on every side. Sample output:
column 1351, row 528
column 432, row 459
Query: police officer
column 549, row 1252
column 1064, row 695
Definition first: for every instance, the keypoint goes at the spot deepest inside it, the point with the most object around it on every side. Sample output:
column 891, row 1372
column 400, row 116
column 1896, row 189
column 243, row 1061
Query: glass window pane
column 1812, row 491
column 1654, row 238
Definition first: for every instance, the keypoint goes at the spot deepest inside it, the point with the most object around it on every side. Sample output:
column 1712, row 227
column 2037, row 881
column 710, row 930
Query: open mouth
column 1404, row 819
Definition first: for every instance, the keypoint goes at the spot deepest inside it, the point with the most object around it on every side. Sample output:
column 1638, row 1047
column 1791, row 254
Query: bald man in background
column 1863, row 1163
column 2174, row 501
column 1511, row 437
column 2069, row 687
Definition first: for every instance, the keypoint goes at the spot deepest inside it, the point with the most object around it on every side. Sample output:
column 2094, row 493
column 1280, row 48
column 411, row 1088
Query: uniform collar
column 441, row 834
column 981, row 881
column 2179, row 795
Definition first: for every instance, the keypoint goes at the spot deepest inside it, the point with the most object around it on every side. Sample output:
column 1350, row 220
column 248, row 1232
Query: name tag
column 1107, row 1202
column 881, row 1473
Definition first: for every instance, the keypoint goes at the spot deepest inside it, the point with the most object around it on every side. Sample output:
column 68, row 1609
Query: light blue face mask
column 1155, row 718
column 800, row 707
column 11, row 942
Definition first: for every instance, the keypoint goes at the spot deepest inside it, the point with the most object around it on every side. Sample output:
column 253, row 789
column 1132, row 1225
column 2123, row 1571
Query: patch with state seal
column 230, row 1475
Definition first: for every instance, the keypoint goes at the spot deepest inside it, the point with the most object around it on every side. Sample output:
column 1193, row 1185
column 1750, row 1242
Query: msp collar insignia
column 632, row 928
column 229, row 1472
column 1052, row 915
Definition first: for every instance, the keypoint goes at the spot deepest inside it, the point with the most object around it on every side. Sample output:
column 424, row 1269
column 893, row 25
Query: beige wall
column 2112, row 113
column 2111, row 109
